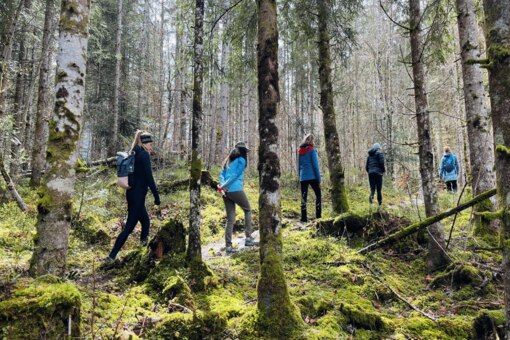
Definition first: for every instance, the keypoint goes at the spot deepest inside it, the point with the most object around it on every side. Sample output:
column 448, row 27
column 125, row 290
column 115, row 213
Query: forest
column 255, row 169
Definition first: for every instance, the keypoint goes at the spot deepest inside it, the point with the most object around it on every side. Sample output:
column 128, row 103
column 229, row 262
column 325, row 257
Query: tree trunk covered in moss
column 498, row 50
column 55, row 204
column 481, row 149
column 436, row 257
column 336, row 170
column 43, row 97
column 278, row 317
column 194, row 252
column 114, row 143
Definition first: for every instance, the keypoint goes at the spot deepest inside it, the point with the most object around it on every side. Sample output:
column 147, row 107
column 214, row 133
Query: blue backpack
column 449, row 164
column 125, row 167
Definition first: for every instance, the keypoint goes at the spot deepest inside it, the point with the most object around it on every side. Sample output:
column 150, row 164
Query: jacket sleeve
column 441, row 167
column 147, row 169
column 381, row 162
column 366, row 164
column 235, row 170
column 315, row 163
column 221, row 179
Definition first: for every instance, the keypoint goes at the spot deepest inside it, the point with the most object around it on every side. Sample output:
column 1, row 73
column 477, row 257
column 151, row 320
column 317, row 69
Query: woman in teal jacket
column 449, row 170
column 231, row 186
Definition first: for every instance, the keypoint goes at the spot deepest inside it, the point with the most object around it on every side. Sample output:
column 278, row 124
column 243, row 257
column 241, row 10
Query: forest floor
column 340, row 293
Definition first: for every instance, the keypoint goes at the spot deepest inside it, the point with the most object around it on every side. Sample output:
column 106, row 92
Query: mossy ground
column 336, row 295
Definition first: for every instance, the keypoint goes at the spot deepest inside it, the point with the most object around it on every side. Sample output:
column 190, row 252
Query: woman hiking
column 231, row 186
column 139, row 181
column 375, row 168
column 449, row 170
column 309, row 175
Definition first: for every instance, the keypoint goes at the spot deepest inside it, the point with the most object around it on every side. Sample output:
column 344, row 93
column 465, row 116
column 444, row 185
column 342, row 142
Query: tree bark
column 481, row 149
column 436, row 257
column 114, row 143
column 194, row 253
column 55, row 204
column 498, row 50
column 278, row 317
column 415, row 227
column 336, row 170
column 10, row 185
column 43, row 98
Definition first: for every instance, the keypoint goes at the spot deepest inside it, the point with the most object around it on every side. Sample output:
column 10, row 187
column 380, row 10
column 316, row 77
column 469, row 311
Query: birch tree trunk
column 194, row 253
column 43, row 98
column 278, row 317
column 116, row 92
column 481, row 149
column 55, row 204
column 336, row 170
column 436, row 257
column 497, row 19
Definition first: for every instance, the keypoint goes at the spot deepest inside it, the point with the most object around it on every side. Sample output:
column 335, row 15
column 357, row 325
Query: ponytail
column 136, row 141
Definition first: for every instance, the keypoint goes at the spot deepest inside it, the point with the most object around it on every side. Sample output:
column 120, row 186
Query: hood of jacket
column 304, row 148
column 373, row 150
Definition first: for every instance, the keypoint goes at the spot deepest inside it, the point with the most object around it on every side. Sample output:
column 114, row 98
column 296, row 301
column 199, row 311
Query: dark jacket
column 375, row 161
column 141, row 179
column 308, row 163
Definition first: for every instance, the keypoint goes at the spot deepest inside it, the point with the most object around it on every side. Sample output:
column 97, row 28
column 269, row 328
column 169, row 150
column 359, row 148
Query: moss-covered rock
column 170, row 239
column 489, row 322
column 91, row 231
column 361, row 317
column 41, row 310
column 199, row 325
column 177, row 290
column 458, row 276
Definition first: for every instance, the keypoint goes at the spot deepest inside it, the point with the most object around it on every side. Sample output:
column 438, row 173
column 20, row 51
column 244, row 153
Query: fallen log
column 182, row 184
column 10, row 186
column 415, row 227
column 110, row 161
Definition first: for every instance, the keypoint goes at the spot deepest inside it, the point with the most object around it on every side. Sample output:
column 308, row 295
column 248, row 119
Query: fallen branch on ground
column 10, row 185
column 415, row 227
column 206, row 179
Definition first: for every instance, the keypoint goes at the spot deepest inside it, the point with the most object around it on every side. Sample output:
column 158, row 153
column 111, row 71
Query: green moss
column 361, row 317
column 177, row 290
column 503, row 150
column 459, row 276
column 69, row 13
column 457, row 327
column 199, row 325
column 487, row 321
column 41, row 309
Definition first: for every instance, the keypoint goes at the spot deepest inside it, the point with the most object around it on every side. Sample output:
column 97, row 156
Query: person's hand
column 157, row 201
column 224, row 189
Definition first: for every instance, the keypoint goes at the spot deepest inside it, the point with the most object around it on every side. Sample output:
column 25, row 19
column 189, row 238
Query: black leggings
column 375, row 180
column 304, row 196
column 136, row 212
column 451, row 186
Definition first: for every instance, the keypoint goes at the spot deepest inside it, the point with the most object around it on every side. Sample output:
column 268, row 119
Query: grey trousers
column 239, row 198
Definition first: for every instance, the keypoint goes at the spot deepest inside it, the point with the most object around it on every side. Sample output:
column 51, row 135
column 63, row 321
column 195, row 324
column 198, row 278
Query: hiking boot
column 371, row 199
column 144, row 243
column 107, row 261
column 231, row 250
column 249, row 242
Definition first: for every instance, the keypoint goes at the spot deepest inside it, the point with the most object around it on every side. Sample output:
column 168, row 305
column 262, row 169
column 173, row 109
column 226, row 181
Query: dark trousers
column 136, row 213
column 375, row 180
column 451, row 186
column 304, row 195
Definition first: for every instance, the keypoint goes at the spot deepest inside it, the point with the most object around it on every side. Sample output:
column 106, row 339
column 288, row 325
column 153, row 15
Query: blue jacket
column 308, row 164
column 232, row 175
column 451, row 175
column 141, row 179
column 375, row 161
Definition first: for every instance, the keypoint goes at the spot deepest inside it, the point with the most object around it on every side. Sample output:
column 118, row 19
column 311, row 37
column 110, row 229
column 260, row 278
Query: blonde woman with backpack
column 140, row 181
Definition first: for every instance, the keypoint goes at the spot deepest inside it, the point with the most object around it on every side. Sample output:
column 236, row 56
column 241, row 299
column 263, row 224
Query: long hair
column 234, row 154
column 309, row 139
column 137, row 140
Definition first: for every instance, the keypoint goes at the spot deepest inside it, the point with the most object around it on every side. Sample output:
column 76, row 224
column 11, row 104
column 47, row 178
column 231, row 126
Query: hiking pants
column 375, row 180
column 304, row 196
column 231, row 199
column 451, row 186
column 136, row 213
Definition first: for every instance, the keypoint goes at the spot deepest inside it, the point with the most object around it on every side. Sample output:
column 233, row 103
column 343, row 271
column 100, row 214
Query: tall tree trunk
column 436, row 257
column 114, row 143
column 336, row 170
column 55, row 204
column 278, row 317
column 481, row 149
column 222, row 131
column 43, row 98
column 194, row 244
column 9, row 19
column 497, row 19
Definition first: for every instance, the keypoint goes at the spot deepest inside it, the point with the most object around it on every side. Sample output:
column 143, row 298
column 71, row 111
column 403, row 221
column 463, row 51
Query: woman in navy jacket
column 140, row 181
column 309, row 174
